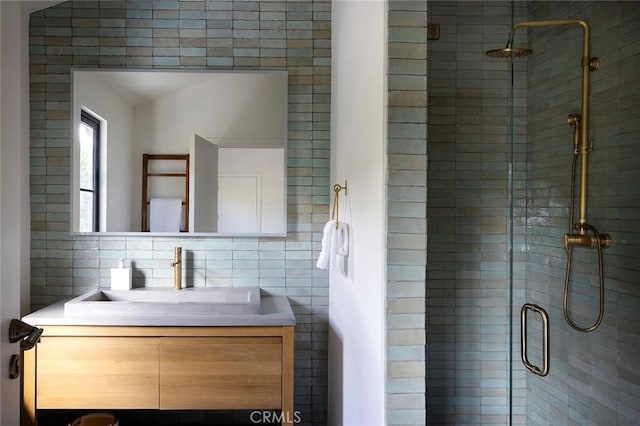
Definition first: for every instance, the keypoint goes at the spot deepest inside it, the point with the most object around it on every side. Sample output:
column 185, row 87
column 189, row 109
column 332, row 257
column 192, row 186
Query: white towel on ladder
column 335, row 246
column 165, row 214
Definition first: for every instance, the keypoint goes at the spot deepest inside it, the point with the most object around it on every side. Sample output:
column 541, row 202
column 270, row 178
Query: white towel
column 165, row 214
column 335, row 246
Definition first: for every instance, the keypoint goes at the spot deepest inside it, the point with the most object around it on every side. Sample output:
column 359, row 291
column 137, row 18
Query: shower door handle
column 545, row 339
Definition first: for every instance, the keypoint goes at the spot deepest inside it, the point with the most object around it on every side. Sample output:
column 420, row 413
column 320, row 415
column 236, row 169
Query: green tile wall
column 406, row 215
column 288, row 35
column 594, row 377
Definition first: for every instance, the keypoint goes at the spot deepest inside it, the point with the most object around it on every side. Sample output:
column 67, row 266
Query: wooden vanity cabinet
column 166, row 368
column 220, row 373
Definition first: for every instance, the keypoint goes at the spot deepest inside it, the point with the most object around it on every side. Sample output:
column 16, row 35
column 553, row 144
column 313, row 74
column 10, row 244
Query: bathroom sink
column 155, row 302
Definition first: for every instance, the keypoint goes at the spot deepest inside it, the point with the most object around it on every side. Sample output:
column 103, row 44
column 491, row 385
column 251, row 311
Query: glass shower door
column 475, row 271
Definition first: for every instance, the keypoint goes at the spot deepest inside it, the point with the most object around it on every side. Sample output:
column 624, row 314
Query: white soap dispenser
column 121, row 277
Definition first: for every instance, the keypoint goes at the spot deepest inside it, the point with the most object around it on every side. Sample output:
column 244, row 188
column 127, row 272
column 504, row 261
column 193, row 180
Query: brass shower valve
column 586, row 240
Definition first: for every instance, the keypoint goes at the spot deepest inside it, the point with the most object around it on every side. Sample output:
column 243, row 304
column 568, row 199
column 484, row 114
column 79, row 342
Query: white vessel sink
column 155, row 302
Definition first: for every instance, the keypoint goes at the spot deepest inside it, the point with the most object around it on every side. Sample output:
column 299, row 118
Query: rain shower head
column 509, row 51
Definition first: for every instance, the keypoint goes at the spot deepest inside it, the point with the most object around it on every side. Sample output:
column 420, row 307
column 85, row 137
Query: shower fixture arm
column 510, row 41
column 549, row 23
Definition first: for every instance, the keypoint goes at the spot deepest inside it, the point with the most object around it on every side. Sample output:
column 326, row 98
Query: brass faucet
column 177, row 268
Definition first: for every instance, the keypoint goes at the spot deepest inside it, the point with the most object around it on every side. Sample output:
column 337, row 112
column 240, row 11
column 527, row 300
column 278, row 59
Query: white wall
column 232, row 106
column 14, row 187
column 14, row 206
column 92, row 93
column 267, row 163
column 203, row 185
column 356, row 303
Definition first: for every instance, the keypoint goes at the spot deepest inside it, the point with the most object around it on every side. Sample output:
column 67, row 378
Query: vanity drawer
column 220, row 373
column 97, row 372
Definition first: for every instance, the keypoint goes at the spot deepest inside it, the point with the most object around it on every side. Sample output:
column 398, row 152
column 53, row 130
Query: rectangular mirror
column 179, row 152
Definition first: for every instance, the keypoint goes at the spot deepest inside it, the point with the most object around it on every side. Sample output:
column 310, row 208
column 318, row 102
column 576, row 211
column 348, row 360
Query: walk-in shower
column 580, row 232
column 503, row 135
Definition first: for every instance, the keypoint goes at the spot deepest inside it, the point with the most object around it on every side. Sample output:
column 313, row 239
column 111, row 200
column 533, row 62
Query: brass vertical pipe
column 584, row 143
column 584, row 110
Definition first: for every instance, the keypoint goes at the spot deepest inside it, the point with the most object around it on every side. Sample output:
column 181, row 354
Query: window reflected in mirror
column 89, row 173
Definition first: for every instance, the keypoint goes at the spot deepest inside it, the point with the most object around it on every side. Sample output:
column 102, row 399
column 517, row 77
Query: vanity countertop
column 275, row 311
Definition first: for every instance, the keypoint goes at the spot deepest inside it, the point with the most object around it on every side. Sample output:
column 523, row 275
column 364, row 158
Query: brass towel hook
column 336, row 191
column 337, row 188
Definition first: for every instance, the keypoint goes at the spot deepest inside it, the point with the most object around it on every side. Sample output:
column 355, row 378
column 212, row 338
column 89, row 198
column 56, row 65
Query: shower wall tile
column 286, row 35
column 406, row 223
